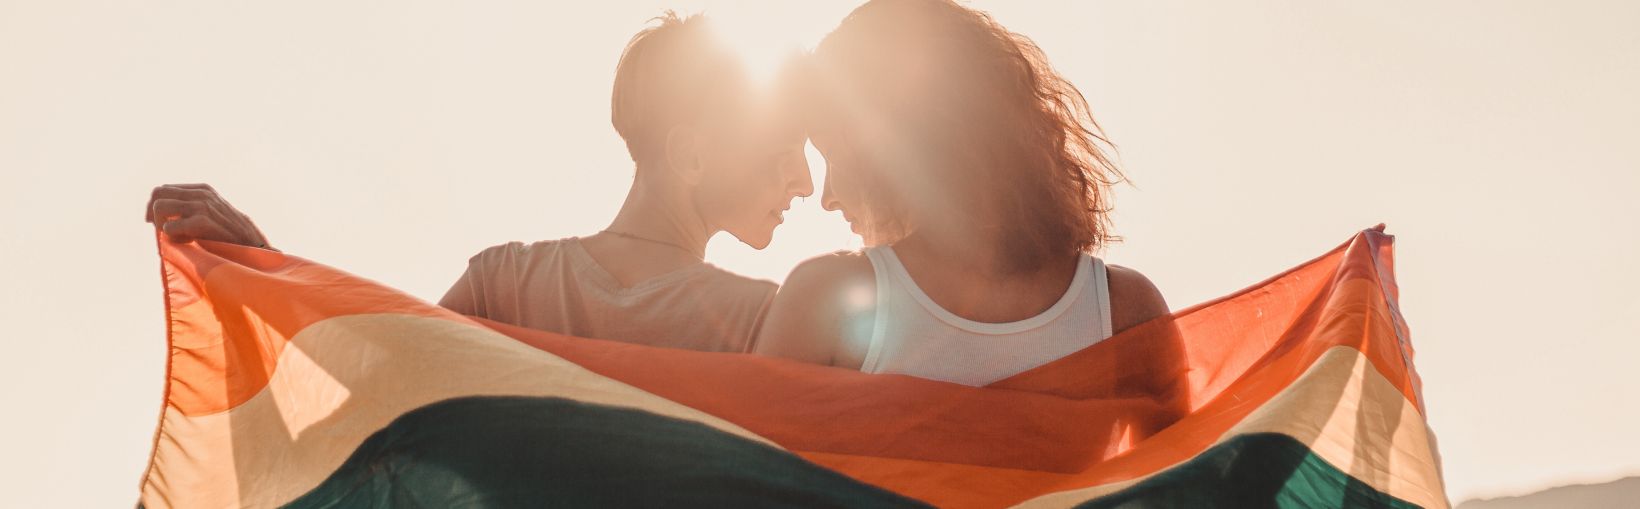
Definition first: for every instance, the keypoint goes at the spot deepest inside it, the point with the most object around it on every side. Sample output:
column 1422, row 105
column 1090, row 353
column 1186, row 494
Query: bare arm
column 1134, row 301
column 824, row 312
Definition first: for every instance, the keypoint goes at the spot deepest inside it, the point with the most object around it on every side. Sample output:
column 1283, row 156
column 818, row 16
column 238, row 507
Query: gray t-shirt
column 556, row 286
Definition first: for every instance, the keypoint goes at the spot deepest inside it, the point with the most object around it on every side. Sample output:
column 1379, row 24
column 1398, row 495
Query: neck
column 979, row 257
column 977, row 261
column 662, row 213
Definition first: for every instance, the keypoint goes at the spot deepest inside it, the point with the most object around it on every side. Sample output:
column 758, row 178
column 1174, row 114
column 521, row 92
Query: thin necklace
column 661, row 242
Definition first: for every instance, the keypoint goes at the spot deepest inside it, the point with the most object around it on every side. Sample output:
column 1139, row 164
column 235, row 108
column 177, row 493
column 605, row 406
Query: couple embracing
column 972, row 169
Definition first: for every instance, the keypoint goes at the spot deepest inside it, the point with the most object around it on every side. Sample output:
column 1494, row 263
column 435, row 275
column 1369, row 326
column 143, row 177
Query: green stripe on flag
column 514, row 451
column 1253, row 470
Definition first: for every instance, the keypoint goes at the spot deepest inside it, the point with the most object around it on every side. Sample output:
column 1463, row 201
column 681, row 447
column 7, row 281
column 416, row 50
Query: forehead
column 763, row 123
column 824, row 140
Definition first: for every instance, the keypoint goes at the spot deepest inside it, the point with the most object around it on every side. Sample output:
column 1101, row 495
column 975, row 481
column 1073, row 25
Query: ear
column 683, row 154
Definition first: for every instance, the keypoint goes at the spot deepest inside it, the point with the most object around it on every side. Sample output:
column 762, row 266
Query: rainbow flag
column 291, row 383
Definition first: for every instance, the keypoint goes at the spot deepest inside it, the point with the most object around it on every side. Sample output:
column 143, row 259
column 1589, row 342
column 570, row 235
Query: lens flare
column 766, row 33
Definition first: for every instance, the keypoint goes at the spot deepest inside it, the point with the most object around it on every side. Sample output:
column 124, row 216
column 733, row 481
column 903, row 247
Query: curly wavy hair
column 964, row 126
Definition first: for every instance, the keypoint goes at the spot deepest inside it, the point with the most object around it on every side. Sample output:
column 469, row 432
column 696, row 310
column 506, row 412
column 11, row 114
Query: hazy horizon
column 395, row 140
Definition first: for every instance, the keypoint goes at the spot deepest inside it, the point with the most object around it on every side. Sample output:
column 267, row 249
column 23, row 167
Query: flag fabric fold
column 291, row 383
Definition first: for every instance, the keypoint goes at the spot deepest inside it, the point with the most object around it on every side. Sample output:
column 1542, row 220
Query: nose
column 828, row 197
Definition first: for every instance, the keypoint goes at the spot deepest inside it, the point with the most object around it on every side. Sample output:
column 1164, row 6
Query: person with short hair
column 714, row 151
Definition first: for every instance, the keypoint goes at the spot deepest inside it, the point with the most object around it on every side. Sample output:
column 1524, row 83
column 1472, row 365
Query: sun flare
column 764, row 34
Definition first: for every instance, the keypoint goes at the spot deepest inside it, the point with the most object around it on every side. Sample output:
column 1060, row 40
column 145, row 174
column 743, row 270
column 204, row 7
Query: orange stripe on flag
column 233, row 308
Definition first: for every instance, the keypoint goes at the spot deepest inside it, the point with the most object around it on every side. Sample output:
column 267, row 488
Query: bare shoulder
column 810, row 316
column 828, row 272
column 826, row 286
column 1133, row 298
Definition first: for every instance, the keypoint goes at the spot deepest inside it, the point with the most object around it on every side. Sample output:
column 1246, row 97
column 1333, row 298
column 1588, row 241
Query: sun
column 766, row 33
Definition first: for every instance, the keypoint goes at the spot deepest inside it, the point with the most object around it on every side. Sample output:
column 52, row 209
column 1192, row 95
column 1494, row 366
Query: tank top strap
column 883, row 265
column 1101, row 288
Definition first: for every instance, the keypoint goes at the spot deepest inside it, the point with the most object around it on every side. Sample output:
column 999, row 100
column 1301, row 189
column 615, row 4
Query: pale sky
column 395, row 139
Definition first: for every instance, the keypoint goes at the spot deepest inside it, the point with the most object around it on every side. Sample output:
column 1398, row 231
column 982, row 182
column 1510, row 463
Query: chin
column 757, row 240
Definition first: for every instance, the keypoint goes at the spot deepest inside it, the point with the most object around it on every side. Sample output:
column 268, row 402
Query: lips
column 852, row 226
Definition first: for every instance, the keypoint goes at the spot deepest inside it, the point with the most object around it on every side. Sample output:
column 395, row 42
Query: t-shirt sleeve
column 466, row 296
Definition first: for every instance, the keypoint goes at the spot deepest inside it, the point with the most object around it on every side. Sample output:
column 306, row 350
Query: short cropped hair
column 668, row 75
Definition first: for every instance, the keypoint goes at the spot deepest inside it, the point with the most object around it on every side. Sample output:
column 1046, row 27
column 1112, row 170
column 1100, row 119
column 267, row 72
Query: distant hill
column 1622, row 493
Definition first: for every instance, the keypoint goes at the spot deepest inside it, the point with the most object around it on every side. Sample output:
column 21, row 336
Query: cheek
column 844, row 190
column 763, row 184
column 741, row 195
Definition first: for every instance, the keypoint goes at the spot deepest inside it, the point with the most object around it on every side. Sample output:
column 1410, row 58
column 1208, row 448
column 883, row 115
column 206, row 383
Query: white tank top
column 914, row 336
